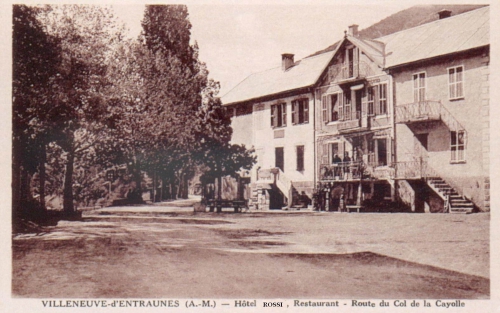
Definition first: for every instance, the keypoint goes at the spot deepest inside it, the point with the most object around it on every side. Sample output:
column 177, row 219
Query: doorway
column 382, row 151
column 279, row 158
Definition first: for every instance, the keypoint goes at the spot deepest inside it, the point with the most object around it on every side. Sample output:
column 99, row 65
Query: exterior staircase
column 454, row 202
column 276, row 178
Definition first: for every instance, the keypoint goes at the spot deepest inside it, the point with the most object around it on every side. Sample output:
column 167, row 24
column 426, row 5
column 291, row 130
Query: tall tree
column 86, row 34
column 173, row 82
column 35, row 62
column 219, row 157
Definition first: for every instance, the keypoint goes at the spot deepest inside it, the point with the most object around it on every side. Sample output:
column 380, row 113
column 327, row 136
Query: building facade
column 273, row 112
column 402, row 119
column 354, row 128
column 442, row 112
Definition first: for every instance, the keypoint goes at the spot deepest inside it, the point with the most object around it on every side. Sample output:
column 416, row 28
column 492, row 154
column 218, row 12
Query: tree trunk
column 24, row 193
column 68, row 205
column 180, row 185
column 136, row 172
column 155, row 187
column 163, row 188
column 185, row 189
column 219, row 192
column 43, row 159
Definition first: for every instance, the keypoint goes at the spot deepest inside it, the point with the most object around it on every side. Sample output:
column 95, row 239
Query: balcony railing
column 428, row 110
column 340, row 72
column 416, row 169
column 350, row 120
column 341, row 171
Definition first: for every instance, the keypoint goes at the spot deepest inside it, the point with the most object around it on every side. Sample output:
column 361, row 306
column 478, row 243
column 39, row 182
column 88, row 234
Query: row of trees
column 86, row 98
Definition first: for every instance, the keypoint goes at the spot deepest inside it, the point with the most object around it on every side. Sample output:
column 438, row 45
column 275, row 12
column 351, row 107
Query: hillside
column 411, row 17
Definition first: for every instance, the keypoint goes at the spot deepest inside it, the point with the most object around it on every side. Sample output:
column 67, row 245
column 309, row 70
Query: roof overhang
column 468, row 52
column 271, row 97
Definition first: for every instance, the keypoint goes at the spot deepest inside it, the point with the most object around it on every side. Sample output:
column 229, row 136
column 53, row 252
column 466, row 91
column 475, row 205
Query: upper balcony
column 350, row 72
column 355, row 171
column 349, row 121
column 426, row 111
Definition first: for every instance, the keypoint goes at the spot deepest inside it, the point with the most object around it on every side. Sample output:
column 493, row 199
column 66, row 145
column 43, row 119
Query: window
column 278, row 115
column 347, row 106
column 300, row 111
column 419, row 87
column 371, row 100
column 334, row 105
column 300, row 158
column 330, row 108
column 457, row 146
column 455, row 82
column 382, row 98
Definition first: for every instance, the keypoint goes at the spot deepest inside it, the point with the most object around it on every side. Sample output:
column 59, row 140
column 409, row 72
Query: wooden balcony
column 350, row 121
column 342, row 171
column 349, row 72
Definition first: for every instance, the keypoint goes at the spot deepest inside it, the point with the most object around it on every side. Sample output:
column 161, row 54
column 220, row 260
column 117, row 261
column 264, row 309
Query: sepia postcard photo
column 286, row 156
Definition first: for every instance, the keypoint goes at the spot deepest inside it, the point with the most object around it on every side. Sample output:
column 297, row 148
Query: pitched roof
column 454, row 34
column 304, row 73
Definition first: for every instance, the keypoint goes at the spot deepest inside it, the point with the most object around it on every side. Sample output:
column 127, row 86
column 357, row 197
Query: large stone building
column 441, row 88
column 273, row 112
column 401, row 118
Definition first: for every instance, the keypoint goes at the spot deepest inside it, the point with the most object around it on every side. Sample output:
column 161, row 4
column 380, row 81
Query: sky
column 236, row 40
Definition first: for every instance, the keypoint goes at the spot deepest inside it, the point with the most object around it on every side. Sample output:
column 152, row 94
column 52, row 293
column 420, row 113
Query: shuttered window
column 278, row 115
column 300, row 111
column 382, row 98
column 371, row 100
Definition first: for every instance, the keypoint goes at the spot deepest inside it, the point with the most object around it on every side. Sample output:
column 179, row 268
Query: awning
column 357, row 87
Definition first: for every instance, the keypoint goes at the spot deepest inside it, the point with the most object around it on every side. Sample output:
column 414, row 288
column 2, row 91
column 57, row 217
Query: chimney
column 353, row 30
column 286, row 61
column 444, row 14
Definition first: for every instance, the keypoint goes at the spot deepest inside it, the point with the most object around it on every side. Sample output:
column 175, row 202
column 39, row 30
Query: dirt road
column 160, row 251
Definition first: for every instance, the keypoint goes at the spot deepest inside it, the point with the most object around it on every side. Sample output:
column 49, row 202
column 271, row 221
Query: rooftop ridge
column 432, row 22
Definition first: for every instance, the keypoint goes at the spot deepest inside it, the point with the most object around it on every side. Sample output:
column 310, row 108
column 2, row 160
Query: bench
column 353, row 207
column 219, row 204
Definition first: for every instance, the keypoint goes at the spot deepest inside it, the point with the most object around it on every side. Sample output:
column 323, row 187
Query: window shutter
column 306, row 111
column 389, row 151
column 355, row 64
column 364, row 100
column 295, row 113
column 294, row 110
column 324, row 153
column 324, row 109
column 283, row 110
column 341, row 106
column 376, row 100
column 273, row 116
column 460, row 90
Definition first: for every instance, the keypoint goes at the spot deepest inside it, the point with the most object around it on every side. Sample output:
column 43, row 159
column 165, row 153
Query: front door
column 279, row 158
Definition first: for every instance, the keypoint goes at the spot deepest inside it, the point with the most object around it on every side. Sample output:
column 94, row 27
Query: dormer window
column 351, row 61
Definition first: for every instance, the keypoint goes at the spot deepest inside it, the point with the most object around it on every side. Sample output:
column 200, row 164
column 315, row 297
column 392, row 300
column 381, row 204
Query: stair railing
column 285, row 185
